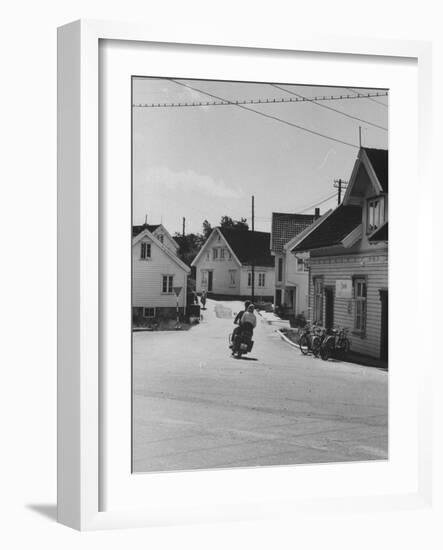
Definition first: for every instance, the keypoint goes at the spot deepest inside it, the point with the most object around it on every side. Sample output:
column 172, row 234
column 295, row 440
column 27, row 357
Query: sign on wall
column 343, row 288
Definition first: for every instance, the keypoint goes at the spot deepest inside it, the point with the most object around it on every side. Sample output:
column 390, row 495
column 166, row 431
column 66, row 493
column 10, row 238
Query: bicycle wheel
column 316, row 342
column 304, row 344
column 325, row 351
column 345, row 347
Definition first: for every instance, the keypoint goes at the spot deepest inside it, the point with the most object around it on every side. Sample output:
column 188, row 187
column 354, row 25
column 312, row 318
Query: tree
column 207, row 229
column 189, row 246
column 226, row 222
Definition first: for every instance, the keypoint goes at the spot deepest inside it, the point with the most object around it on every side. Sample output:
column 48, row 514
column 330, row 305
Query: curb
column 286, row 339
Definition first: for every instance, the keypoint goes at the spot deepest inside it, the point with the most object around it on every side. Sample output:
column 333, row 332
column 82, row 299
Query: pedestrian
column 203, row 299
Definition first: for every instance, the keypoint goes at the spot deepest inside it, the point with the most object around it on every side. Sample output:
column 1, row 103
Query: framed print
column 230, row 311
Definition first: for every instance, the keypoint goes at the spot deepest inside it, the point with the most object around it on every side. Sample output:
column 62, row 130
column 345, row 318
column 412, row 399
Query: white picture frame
column 79, row 361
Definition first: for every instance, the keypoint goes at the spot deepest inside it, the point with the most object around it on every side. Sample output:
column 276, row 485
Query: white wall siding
column 372, row 266
column 147, row 278
column 167, row 240
column 221, row 268
column 267, row 290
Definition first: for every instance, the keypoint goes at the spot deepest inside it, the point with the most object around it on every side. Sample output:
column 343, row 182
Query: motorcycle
column 241, row 343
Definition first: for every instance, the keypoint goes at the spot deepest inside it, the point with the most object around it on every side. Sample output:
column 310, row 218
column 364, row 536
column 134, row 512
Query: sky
column 206, row 162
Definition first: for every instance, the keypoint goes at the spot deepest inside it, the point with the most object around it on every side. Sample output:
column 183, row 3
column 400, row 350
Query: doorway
column 329, row 307
column 384, row 325
column 210, row 280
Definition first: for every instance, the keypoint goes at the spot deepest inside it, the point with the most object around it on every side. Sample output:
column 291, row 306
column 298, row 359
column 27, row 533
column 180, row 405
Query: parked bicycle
column 335, row 344
column 310, row 339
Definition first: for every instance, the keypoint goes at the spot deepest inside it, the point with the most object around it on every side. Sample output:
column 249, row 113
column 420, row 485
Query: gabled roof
column 375, row 163
column 136, row 229
column 165, row 249
column 380, row 235
column 379, row 161
column 286, row 226
column 291, row 245
column 250, row 246
column 333, row 229
column 245, row 246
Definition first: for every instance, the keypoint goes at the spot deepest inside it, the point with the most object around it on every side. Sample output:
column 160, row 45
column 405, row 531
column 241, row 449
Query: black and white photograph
column 259, row 274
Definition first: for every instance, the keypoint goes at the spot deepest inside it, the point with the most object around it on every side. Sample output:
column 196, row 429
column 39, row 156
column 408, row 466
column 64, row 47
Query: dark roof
column 287, row 226
column 333, row 229
column 379, row 160
column 250, row 246
column 136, row 229
column 380, row 235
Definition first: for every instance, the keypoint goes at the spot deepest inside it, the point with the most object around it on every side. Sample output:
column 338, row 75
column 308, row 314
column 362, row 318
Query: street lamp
column 177, row 290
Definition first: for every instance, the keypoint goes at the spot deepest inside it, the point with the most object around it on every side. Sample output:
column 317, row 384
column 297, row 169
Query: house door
column 329, row 307
column 384, row 325
column 293, row 300
column 210, row 279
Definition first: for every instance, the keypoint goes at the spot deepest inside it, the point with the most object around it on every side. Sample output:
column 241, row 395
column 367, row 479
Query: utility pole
column 184, row 223
column 253, row 258
column 340, row 184
column 359, row 136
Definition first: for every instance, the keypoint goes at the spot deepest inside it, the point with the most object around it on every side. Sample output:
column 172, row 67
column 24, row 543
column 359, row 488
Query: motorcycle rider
column 237, row 320
column 248, row 321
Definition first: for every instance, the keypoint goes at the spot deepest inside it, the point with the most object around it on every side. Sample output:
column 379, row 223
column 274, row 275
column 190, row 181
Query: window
column 222, row 253
column 160, row 237
column 167, row 284
column 149, row 312
column 249, row 278
column 229, row 255
column 204, row 278
column 145, row 251
column 318, row 300
column 207, row 255
column 280, row 269
column 302, row 265
column 360, row 293
column 376, row 214
column 261, row 279
column 232, row 273
column 214, row 253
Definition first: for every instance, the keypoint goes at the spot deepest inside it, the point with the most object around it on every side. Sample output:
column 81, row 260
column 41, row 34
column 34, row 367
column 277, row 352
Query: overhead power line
column 371, row 98
column 260, row 101
column 330, row 108
column 272, row 117
column 329, row 197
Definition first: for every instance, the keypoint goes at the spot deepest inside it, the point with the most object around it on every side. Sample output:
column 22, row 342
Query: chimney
column 317, row 213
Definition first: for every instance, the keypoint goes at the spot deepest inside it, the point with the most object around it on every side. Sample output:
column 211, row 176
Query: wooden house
column 348, row 264
column 291, row 270
column 158, row 275
column 228, row 259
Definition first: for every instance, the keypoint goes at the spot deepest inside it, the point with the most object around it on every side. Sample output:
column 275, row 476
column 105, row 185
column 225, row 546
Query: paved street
column 196, row 407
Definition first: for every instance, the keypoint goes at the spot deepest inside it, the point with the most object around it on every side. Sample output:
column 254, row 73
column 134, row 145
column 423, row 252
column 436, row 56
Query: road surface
column 197, row 407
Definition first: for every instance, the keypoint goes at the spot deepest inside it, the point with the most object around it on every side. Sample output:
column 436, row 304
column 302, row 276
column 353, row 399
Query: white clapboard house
column 158, row 275
column 226, row 262
column 348, row 258
column 291, row 271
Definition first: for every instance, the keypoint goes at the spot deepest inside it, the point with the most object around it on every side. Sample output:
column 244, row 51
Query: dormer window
column 375, row 214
